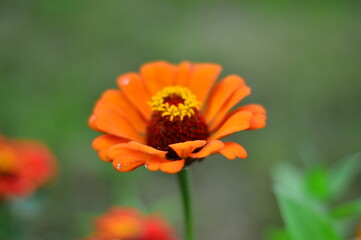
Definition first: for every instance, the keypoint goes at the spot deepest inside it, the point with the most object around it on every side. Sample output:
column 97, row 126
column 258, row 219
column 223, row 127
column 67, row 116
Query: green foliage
column 343, row 173
column 350, row 209
column 317, row 183
column 306, row 199
column 303, row 220
column 277, row 234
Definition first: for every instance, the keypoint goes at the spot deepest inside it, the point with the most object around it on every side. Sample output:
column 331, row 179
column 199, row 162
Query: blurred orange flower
column 24, row 166
column 168, row 116
column 128, row 224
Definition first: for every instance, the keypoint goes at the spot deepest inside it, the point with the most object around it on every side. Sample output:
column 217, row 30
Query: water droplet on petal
column 125, row 81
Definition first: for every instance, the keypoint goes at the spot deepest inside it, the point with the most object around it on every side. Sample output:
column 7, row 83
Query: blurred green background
column 301, row 59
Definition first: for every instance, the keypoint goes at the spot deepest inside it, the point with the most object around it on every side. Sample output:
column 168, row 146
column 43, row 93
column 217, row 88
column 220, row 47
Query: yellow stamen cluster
column 182, row 109
column 7, row 160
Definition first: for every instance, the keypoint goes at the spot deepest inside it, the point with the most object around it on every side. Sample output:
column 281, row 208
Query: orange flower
column 24, row 166
column 168, row 116
column 128, row 224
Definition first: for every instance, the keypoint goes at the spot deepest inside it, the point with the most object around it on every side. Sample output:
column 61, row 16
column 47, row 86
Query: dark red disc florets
column 161, row 131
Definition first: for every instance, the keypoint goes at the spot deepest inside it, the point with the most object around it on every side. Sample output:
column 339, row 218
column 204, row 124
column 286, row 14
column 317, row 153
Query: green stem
column 184, row 183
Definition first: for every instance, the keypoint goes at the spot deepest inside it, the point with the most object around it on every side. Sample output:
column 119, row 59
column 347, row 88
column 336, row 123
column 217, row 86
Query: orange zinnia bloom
column 168, row 116
column 24, row 166
column 128, row 224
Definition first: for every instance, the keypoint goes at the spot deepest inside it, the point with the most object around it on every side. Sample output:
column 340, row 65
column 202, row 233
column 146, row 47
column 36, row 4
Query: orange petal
column 147, row 149
column 104, row 142
column 134, row 89
column 221, row 93
column 91, row 123
column 232, row 150
column 212, row 147
column 154, row 163
column 184, row 149
column 202, row 77
column 158, row 75
column 125, row 159
column 117, row 150
column 183, row 74
column 219, row 117
column 254, row 108
column 258, row 119
column 119, row 127
column 127, row 163
column 172, row 166
column 236, row 122
column 116, row 102
column 111, row 117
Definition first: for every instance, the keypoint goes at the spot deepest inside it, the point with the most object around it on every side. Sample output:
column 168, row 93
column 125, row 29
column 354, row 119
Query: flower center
column 175, row 101
column 7, row 161
column 175, row 118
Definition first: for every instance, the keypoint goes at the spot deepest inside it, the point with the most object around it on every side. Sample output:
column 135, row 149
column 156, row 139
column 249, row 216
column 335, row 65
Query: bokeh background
column 301, row 59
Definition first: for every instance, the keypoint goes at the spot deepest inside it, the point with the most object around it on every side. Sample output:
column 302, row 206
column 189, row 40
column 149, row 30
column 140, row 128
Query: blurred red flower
column 128, row 224
column 25, row 165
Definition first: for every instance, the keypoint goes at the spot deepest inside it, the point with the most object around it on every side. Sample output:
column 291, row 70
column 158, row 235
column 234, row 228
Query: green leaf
column 303, row 220
column 317, row 183
column 273, row 233
column 351, row 209
column 343, row 173
column 289, row 178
